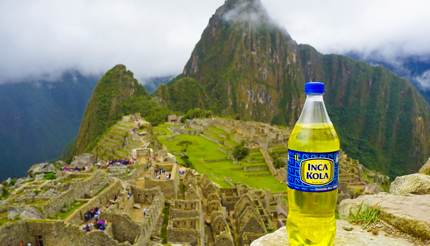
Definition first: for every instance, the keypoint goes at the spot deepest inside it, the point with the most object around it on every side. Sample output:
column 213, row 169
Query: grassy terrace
column 209, row 155
column 112, row 145
column 63, row 215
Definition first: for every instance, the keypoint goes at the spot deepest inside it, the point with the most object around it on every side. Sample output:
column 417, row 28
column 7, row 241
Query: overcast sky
column 155, row 37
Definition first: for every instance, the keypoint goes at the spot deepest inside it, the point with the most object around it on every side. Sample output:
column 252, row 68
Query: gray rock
column 83, row 160
column 51, row 193
column 351, row 236
column 39, row 176
column 408, row 213
column 41, row 168
column 425, row 169
column 60, row 163
column 411, row 184
column 13, row 213
column 30, row 213
column 372, row 189
column 170, row 158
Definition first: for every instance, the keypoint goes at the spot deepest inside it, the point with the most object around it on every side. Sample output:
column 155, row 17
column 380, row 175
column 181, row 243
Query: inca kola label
column 317, row 171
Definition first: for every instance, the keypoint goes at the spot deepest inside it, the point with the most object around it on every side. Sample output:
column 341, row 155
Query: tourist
column 88, row 216
column 101, row 225
column 86, row 228
column 97, row 213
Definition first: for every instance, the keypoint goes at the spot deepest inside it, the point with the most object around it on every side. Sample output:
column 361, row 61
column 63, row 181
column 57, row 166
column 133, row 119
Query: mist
column 40, row 39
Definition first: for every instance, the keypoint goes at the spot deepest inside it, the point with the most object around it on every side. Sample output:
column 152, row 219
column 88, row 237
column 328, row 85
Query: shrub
column 50, row 176
column 163, row 233
column 196, row 113
column 240, row 152
column 184, row 144
column 186, row 160
column 279, row 163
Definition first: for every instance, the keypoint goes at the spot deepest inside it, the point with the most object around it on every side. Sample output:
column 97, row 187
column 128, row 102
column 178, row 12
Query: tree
column 240, row 151
column 196, row 113
column 184, row 144
column 279, row 163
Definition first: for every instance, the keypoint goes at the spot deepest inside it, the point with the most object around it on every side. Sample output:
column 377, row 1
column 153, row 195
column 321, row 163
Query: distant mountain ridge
column 40, row 119
column 248, row 67
column 414, row 68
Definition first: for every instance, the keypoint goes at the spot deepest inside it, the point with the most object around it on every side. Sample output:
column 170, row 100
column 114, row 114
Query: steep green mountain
column 116, row 94
column 39, row 119
column 246, row 66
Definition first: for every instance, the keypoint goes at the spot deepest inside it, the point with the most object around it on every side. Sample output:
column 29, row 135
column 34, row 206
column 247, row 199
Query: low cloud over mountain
column 40, row 39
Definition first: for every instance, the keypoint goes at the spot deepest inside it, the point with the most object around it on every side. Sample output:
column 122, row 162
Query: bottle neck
column 314, row 110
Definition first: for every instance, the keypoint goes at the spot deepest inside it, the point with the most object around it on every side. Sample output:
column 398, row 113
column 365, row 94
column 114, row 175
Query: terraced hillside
column 207, row 145
column 209, row 151
column 120, row 139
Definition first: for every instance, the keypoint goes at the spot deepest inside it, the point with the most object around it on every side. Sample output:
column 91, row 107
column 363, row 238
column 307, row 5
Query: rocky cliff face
column 247, row 66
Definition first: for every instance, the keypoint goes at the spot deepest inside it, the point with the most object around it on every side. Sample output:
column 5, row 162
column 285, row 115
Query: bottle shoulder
column 314, row 137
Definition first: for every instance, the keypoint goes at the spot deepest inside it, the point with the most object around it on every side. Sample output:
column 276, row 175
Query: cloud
column 424, row 80
column 42, row 38
column 45, row 37
column 393, row 28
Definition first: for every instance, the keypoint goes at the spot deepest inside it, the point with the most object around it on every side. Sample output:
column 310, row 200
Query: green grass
column 3, row 218
column 166, row 211
column 365, row 216
column 112, row 143
column 50, row 176
column 220, row 135
column 210, row 158
column 63, row 215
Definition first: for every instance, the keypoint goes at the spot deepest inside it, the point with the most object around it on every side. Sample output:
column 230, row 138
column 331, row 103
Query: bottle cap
column 314, row 88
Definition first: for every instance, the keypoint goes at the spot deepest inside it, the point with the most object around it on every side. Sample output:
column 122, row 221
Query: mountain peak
column 244, row 11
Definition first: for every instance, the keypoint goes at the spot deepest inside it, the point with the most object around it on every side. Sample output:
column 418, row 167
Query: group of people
column 99, row 224
column 120, row 162
column 74, row 169
column 160, row 173
column 93, row 213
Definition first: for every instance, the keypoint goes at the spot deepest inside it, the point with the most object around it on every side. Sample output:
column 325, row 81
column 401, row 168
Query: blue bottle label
column 313, row 172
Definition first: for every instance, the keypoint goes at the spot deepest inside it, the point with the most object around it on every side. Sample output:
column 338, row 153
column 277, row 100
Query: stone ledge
column 354, row 237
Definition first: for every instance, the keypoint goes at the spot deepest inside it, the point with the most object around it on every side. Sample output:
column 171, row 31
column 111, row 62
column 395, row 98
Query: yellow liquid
column 311, row 215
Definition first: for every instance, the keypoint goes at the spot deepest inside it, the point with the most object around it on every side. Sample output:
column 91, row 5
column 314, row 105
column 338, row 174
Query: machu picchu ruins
column 144, row 185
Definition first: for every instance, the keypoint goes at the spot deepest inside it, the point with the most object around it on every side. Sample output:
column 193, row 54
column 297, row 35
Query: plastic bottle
column 313, row 173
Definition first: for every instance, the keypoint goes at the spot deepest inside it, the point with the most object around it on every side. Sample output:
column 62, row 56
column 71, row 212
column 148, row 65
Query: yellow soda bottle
column 313, row 173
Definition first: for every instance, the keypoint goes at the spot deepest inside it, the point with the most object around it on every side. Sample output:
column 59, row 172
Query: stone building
column 164, row 176
column 186, row 222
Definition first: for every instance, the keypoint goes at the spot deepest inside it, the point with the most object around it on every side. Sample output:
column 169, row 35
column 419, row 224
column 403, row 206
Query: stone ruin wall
column 145, row 196
column 153, row 197
column 154, row 213
column 186, row 230
column 123, row 228
column 76, row 191
column 169, row 187
column 98, row 201
column 185, row 208
column 186, row 222
column 53, row 233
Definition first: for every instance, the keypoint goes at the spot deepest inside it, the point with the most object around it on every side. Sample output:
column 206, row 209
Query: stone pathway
column 354, row 237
